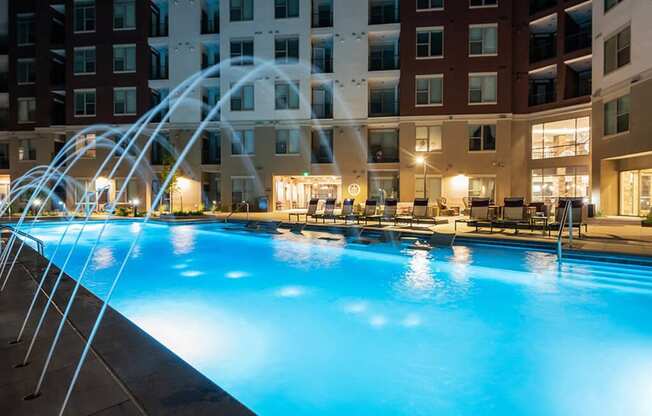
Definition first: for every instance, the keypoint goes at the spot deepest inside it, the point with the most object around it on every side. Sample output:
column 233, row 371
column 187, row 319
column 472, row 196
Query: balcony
column 577, row 41
column 159, row 65
column 322, row 111
column 211, row 149
column 156, row 98
column 539, row 5
column 4, row 81
column 383, row 12
column 383, row 58
column 579, row 20
column 383, row 146
column 159, row 21
column 322, row 13
column 322, row 56
column 210, row 23
column 4, row 118
column 543, row 47
column 578, row 78
column 383, row 102
column 542, row 92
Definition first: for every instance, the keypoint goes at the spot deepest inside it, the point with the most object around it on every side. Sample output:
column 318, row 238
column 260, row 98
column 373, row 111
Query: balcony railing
column 383, row 107
column 210, row 25
column 210, row 156
column 542, row 97
column 577, row 41
column 542, row 48
column 383, row 14
column 4, row 162
column 322, row 111
column 538, row 5
column 322, row 18
column 381, row 154
column 322, row 66
column 207, row 109
column 383, row 61
column 159, row 29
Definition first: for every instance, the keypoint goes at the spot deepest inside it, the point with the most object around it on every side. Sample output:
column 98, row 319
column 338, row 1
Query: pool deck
column 617, row 235
column 127, row 372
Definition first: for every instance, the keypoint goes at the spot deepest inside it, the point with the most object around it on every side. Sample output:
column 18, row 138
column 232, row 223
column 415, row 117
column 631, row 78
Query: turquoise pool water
column 291, row 325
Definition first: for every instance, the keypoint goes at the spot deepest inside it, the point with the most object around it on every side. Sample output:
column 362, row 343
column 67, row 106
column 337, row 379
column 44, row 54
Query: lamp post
column 422, row 161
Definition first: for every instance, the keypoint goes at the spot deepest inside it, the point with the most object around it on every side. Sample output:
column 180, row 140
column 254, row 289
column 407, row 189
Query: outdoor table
column 539, row 219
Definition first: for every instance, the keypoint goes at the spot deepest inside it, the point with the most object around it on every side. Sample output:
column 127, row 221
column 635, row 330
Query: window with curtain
column 242, row 142
column 84, row 60
column 124, row 14
column 322, row 146
column 124, row 58
column 483, row 40
column 124, row 101
column 383, row 146
column 288, row 141
column 84, row 15
column 483, row 88
column 84, row 103
column 383, row 185
column 284, row 9
column 430, row 42
column 430, row 90
column 482, row 187
column 242, row 52
column 482, row 138
column 286, row 95
column 286, row 50
column 617, row 50
column 241, row 10
column 242, row 99
column 428, row 139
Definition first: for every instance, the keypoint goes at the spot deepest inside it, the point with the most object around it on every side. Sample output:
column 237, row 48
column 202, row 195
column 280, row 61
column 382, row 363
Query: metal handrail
column 237, row 208
column 568, row 213
column 39, row 243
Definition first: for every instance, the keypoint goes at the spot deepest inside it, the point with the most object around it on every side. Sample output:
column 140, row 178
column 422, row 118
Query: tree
column 168, row 162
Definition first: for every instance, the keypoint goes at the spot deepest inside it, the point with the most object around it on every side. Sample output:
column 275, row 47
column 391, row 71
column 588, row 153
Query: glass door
column 629, row 191
column 645, row 205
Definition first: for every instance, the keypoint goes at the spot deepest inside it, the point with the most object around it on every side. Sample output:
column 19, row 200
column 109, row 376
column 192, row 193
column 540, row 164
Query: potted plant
column 647, row 222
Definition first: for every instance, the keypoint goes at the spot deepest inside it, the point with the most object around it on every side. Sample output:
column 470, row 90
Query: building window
column 617, row 50
column 483, row 40
column 242, row 10
column 25, row 71
column 25, row 29
column 383, row 146
column 430, row 42
column 430, row 90
column 124, row 101
column 84, row 103
column 242, row 52
column 86, row 143
column 383, row 185
column 482, row 138
column 428, row 139
column 288, row 141
column 432, row 189
column 211, row 190
column 322, row 146
column 482, row 88
column 26, row 110
column 84, row 15
column 482, row 187
column 26, row 150
column 430, row 5
column 286, row 8
column 124, row 14
column 84, row 61
column 610, row 4
column 242, row 190
column 242, row 98
column 286, row 50
column 124, row 58
column 616, row 116
column 548, row 185
column 211, row 148
column 322, row 101
column 483, row 3
column 563, row 138
column 287, row 95
column 242, row 142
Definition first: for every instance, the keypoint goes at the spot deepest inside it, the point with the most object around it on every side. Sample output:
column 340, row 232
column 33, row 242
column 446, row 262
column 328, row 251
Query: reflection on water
column 290, row 292
column 418, row 281
column 103, row 258
column 183, row 238
column 301, row 253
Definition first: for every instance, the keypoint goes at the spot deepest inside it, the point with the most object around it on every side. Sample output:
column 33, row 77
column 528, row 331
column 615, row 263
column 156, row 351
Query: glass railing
column 323, row 18
column 210, row 25
column 159, row 29
column 542, row 97
column 577, row 41
column 543, row 48
column 322, row 111
column 322, row 66
column 379, row 107
column 383, row 14
column 383, row 61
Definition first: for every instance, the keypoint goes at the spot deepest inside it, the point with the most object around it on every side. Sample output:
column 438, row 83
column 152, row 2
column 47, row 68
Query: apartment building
column 359, row 99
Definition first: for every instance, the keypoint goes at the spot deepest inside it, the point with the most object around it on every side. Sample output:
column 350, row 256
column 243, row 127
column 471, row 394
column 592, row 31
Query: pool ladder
column 567, row 214
column 237, row 208
column 39, row 243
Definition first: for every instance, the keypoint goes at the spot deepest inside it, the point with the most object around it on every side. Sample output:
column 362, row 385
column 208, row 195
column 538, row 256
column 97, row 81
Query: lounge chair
column 388, row 214
column 577, row 206
column 370, row 206
column 329, row 211
column 478, row 214
column 310, row 212
column 513, row 214
column 347, row 211
column 419, row 213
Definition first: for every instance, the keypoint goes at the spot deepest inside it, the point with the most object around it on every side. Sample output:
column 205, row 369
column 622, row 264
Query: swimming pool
column 291, row 325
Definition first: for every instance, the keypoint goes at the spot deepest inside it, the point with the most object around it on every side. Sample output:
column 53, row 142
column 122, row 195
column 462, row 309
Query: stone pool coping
column 153, row 380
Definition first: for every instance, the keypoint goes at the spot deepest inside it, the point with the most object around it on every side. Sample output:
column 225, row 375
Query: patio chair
column 513, row 214
column 577, row 206
column 347, row 211
column 419, row 213
column 478, row 214
column 388, row 214
column 310, row 212
column 329, row 211
column 370, row 206
column 539, row 207
column 466, row 209
column 444, row 209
